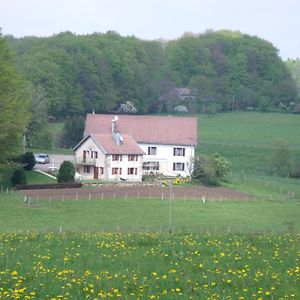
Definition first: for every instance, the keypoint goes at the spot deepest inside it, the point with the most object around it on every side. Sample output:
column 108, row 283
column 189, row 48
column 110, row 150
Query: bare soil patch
column 120, row 191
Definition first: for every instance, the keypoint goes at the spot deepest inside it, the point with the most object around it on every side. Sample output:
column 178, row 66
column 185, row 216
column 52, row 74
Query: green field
column 123, row 249
column 149, row 266
column 148, row 215
column 246, row 138
column 32, row 177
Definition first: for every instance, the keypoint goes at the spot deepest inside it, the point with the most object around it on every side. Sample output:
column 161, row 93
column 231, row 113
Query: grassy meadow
column 122, row 248
column 149, row 266
column 272, row 216
column 247, row 140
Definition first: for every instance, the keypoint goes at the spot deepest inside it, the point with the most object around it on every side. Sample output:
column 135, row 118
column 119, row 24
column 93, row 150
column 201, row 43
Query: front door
column 96, row 172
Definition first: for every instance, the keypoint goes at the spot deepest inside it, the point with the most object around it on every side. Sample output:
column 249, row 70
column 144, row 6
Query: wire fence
column 169, row 201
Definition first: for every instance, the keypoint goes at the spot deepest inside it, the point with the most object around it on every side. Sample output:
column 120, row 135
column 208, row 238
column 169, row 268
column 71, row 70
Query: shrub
column 28, row 160
column 280, row 158
column 18, row 177
column 297, row 109
column 211, row 169
column 204, row 171
column 296, row 172
column 66, row 172
column 221, row 165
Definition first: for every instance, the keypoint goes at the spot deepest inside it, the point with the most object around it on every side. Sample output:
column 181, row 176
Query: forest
column 223, row 70
column 65, row 76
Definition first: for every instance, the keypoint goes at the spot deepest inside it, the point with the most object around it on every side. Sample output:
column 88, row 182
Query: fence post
column 170, row 206
column 76, row 197
column 102, row 196
column 90, row 196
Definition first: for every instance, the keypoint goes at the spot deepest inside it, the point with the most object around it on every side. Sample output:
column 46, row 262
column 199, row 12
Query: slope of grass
column 246, row 139
column 32, row 177
column 250, row 129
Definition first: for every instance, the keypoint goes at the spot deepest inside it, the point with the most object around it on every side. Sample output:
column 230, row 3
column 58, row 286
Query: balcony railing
column 85, row 161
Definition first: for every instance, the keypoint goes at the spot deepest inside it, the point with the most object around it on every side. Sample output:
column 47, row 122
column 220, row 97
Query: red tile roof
column 108, row 144
column 165, row 130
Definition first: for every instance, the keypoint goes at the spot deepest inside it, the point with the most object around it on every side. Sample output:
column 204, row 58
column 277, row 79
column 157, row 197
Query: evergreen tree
column 66, row 172
column 72, row 131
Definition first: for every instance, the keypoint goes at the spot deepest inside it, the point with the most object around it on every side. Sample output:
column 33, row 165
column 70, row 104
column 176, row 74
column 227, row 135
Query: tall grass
column 149, row 266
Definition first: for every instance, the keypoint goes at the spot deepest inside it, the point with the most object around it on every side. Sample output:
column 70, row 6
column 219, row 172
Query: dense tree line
column 226, row 70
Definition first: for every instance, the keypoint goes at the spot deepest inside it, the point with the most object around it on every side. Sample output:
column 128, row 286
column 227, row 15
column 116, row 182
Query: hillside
column 224, row 70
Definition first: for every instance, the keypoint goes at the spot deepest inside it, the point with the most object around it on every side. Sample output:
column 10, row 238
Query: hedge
column 49, row 186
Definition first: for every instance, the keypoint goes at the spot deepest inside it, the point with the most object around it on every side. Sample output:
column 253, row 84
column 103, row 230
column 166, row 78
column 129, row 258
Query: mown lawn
column 32, row 177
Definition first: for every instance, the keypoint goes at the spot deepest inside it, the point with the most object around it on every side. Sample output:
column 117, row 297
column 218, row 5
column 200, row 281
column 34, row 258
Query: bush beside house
column 18, row 177
column 66, row 172
column 28, row 160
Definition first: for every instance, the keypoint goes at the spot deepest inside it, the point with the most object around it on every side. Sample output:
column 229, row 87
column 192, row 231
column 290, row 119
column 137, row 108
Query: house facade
column 130, row 146
column 100, row 156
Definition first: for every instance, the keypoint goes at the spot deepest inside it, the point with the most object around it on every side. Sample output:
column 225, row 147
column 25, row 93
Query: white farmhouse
column 126, row 147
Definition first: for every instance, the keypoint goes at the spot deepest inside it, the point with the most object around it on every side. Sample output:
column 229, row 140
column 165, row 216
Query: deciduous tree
column 14, row 99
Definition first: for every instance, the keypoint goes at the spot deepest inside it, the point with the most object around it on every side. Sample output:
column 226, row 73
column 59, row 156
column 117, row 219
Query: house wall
column 124, row 165
column 105, row 161
column 165, row 157
column 89, row 146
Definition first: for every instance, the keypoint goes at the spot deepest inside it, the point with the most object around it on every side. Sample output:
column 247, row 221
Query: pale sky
column 277, row 21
